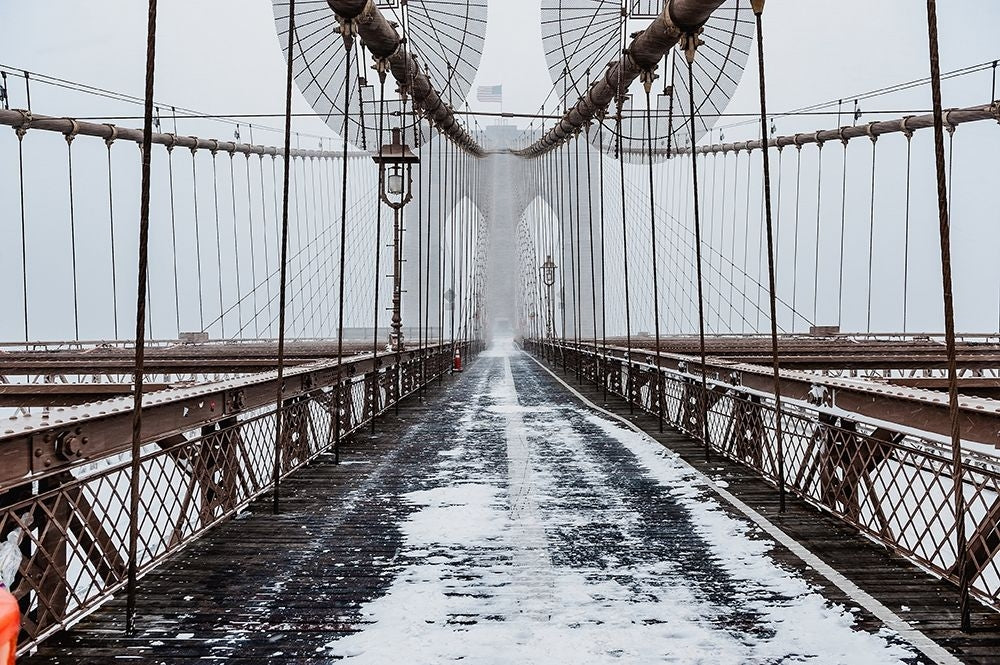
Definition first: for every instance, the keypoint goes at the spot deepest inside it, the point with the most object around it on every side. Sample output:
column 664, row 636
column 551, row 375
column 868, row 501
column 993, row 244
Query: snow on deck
column 498, row 521
column 545, row 532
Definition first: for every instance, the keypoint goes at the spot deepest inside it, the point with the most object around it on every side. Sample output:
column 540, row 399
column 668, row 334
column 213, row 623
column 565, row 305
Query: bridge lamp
column 395, row 163
column 548, row 271
column 548, row 279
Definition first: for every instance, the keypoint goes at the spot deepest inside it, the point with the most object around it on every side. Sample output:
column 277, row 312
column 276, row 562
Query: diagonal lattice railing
column 891, row 482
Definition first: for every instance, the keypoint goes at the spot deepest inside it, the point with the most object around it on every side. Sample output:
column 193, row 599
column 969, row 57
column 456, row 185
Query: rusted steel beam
column 379, row 35
column 26, row 120
column 66, row 394
column 799, row 351
column 678, row 18
column 38, row 446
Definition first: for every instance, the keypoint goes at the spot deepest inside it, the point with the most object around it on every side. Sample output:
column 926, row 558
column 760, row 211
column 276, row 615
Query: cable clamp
column 22, row 128
column 843, row 139
column 381, row 65
column 797, row 141
column 348, row 30
column 907, row 132
column 194, row 147
column 948, row 124
column 818, row 140
column 112, row 135
column 173, row 142
column 215, row 146
column 647, row 77
column 870, row 131
column 689, row 43
column 74, row 129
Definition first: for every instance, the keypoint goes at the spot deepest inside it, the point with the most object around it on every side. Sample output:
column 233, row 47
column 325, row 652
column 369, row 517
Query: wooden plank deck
column 925, row 602
column 266, row 588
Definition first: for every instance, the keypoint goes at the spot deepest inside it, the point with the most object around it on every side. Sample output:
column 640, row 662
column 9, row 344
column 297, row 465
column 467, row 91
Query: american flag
column 492, row 94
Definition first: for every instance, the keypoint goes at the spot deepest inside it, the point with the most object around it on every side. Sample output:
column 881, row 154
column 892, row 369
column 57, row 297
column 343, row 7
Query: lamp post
column 395, row 162
column 548, row 279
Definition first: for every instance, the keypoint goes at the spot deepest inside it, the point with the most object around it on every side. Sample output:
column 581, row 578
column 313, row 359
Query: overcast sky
column 223, row 57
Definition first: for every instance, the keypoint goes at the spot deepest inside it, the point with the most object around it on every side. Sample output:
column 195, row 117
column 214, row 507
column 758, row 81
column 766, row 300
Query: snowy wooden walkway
column 502, row 521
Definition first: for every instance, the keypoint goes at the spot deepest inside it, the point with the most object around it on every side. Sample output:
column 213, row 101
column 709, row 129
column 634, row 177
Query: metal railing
column 73, row 522
column 891, row 482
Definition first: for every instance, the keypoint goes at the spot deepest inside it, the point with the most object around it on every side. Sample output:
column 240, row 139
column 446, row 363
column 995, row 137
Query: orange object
column 457, row 367
column 10, row 626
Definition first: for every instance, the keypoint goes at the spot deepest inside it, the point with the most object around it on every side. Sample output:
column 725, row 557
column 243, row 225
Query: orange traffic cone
column 457, row 366
column 10, row 626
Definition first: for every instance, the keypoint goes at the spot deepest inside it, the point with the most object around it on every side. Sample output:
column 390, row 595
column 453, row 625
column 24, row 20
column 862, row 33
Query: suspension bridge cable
column 648, row 83
column 758, row 7
column 871, row 235
column 697, row 240
column 593, row 273
column 604, row 313
column 24, row 236
column 72, row 235
column 944, row 230
column 218, row 237
column 173, row 236
column 236, row 241
column 282, row 292
column 197, row 233
column 348, row 45
column 843, row 223
column 140, row 327
column 819, row 214
column 111, row 224
column 378, row 235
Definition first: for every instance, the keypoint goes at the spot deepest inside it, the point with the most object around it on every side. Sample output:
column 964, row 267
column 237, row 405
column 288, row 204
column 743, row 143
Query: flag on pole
column 491, row 94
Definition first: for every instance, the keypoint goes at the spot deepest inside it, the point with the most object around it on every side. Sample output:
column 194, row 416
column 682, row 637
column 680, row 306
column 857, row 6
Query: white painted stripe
column 890, row 619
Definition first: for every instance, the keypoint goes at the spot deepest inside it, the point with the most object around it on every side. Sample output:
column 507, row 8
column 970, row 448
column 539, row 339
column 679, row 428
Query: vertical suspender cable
column 697, row 246
column 574, row 192
column 282, row 293
column 819, row 215
column 72, row 232
column 795, row 240
column 451, row 242
column 604, row 310
column 421, row 332
column 339, row 391
column 111, row 231
column 427, row 276
column 378, row 246
column 173, row 235
column 24, row 238
column 218, row 239
column 593, row 269
column 962, row 564
column 140, row 324
column 628, row 308
column 197, row 236
column 758, row 9
column 843, row 224
column 648, row 84
column 236, row 244
column 253, row 250
column 906, row 224
column 439, row 260
column 871, row 235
